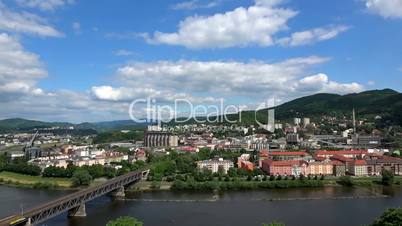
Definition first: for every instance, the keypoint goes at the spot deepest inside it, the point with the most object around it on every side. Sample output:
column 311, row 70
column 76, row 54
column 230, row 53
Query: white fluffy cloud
column 321, row 83
column 46, row 5
column 255, row 25
column 240, row 27
column 221, row 79
column 19, row 69
column 216, row 76
column 385, row 8
column 25, row 23
column 312, row 36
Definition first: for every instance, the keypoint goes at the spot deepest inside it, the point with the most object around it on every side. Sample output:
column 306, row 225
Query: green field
column 26, row 180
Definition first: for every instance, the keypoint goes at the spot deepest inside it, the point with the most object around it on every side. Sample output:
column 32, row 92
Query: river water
column 329, row 206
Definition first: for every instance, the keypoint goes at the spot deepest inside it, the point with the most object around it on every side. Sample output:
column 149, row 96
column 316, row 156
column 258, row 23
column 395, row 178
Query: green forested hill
column 386, row 103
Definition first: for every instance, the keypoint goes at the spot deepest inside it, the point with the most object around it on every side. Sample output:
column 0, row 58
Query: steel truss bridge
column 74, row 203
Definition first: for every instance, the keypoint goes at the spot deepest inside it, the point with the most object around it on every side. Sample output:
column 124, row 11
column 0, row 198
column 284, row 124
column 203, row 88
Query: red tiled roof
column 359, row 162
column 264, row 153
column 342, row 152
column 288, row 153
column 283, row 163
column 337, row 163
column 317, row 158
column 340, row 158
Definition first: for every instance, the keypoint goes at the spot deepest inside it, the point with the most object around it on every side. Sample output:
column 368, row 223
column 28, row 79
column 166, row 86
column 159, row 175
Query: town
column 300, row 148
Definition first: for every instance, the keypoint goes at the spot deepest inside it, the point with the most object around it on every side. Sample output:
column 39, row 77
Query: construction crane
column 31, row 151
column 31, row 143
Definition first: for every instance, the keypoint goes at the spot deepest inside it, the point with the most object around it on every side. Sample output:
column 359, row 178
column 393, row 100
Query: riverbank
column 50, row 183
column 21, row 180
column 144, row 186
column 39, row 182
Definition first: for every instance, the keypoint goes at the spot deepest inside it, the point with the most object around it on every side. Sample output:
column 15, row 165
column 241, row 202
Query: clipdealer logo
column 183, row 111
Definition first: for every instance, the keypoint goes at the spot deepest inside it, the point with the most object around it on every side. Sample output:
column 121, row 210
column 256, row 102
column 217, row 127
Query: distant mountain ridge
column 20, row 124
column 374, row 102
column 386, row 103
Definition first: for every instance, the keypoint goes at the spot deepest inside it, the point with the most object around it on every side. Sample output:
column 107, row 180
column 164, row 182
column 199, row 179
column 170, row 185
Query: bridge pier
column 118, row 193
column 145, row 174
column 28, row 222
column 78, row 211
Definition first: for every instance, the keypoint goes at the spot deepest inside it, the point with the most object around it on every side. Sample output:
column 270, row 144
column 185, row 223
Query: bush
column 44, row 185
column 275, row 223
column 81, row 178
column 390, row 217
column 124, row 221
column 387, row 178
column 53, row 171
column 23, row 168
column 345, row 181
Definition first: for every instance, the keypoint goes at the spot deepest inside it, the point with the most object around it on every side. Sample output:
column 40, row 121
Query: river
column 329, row 206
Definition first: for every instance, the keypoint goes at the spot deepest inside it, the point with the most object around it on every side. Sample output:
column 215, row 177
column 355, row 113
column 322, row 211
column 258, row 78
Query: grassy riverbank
column 21, row 180
column 250, row 185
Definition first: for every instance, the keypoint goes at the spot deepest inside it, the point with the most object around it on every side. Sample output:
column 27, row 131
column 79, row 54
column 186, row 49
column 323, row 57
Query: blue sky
column 74, row 60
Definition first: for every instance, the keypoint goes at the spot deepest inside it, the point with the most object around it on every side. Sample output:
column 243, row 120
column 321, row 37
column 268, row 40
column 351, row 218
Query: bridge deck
column 55, row 207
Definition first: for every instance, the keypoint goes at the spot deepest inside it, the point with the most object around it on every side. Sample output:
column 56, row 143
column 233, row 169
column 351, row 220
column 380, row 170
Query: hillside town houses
column 287, row 151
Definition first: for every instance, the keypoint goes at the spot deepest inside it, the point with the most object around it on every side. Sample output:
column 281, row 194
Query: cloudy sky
column 76, row 60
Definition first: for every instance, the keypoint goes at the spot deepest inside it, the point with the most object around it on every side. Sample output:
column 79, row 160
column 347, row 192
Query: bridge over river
column 74, row 203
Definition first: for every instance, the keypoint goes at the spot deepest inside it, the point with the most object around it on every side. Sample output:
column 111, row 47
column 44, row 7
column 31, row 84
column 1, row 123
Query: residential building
column 375, row 165
column 243, row 157
column 284, row 168
column 339, row 168
column 262, row 155
column 215, row 164
column 358, row 168
column 247, row 165
column 289, row 155
column 292, row 138
column 320, row 168
column 341, row 164
column 160, row 139
column 344, row 153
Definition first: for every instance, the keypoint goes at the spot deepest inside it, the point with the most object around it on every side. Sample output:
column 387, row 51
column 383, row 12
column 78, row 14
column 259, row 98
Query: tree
column 346, row 181
column 387, row 178
column 96, row 171
column 81, row 177
column 125, row 221
column 391, row 217
column 232, row 172
column 3, row 161
column 53, row 171
column 275, row 223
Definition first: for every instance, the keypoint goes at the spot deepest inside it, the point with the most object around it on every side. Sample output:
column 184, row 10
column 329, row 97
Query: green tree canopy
column 125, row 221
column 387, row 177
column 81, row 177
column 275, row 223
column 391, row 217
